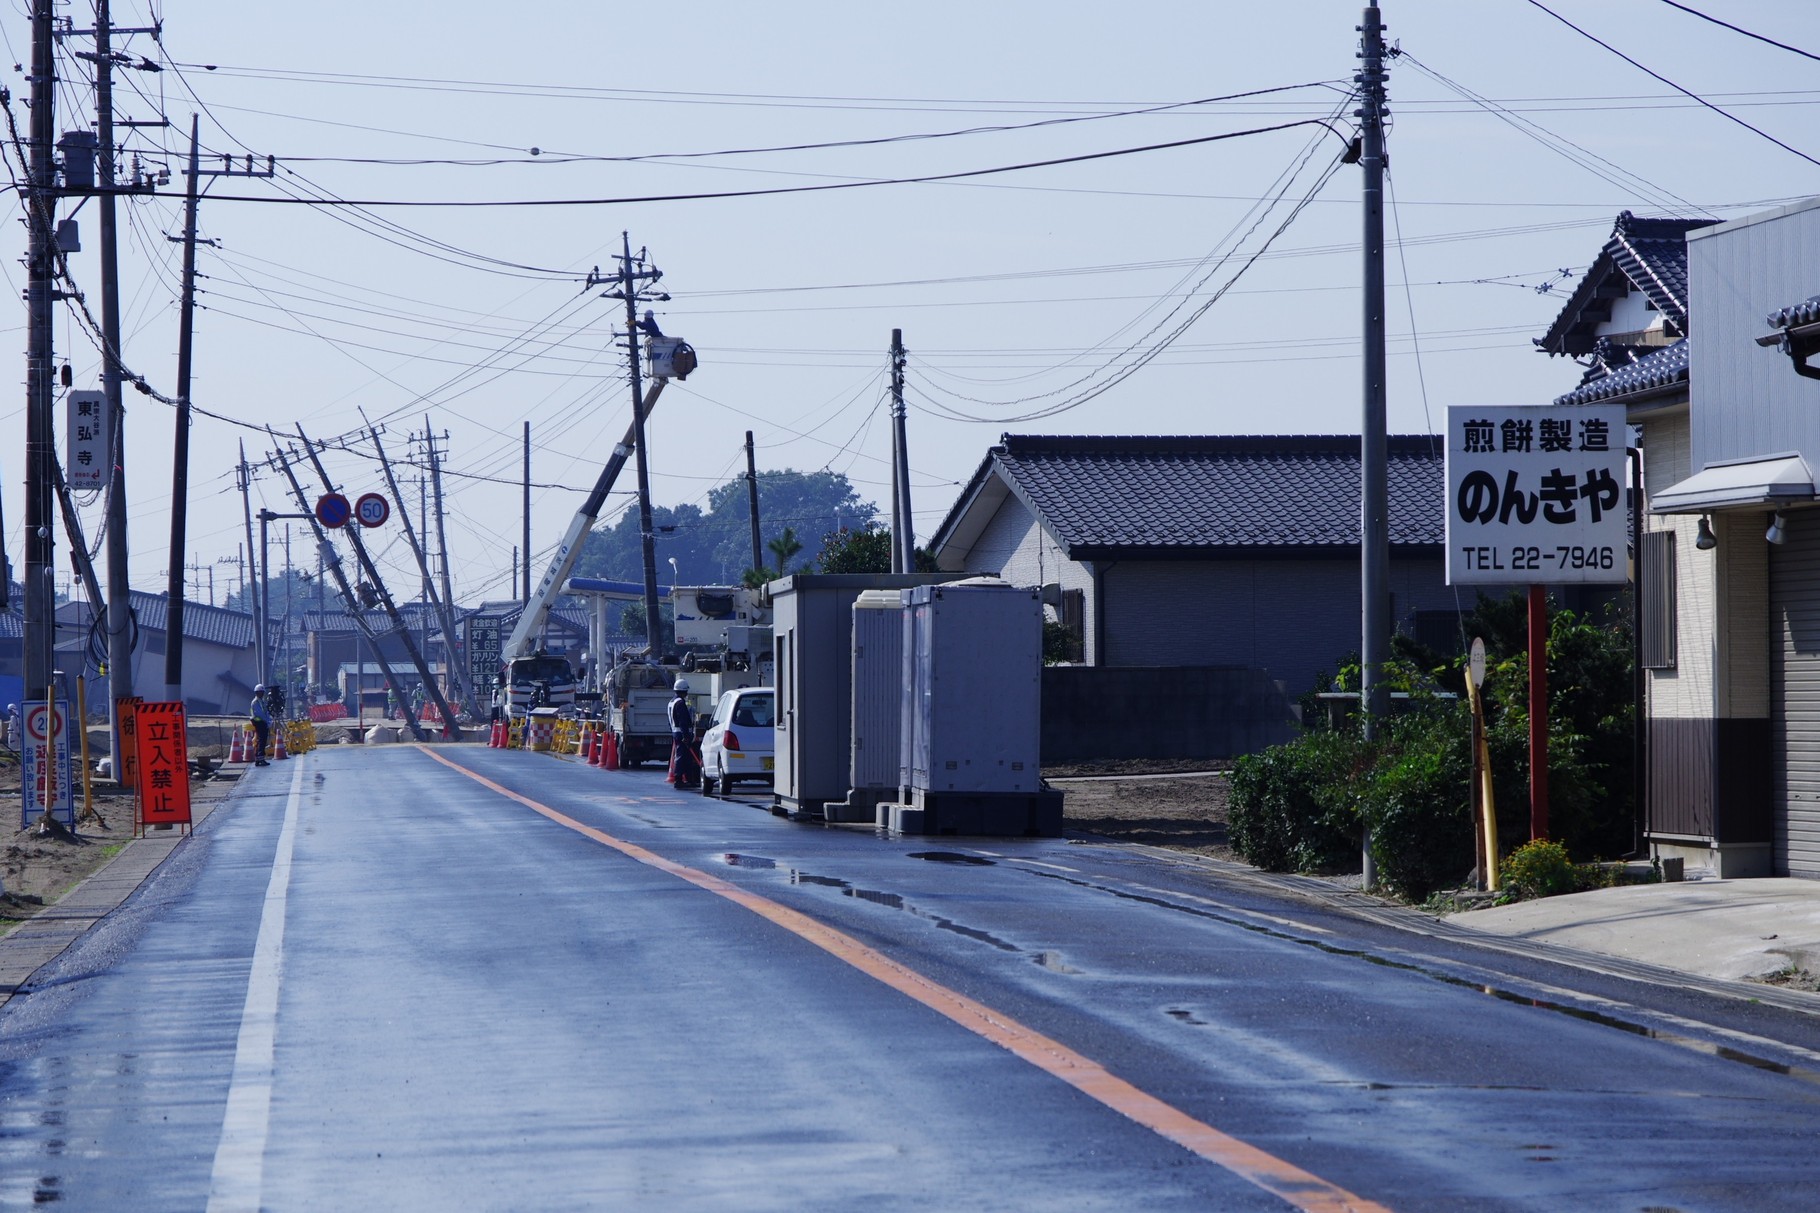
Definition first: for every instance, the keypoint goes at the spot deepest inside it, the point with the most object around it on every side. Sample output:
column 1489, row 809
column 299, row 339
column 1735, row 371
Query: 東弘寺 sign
column 1535, row 495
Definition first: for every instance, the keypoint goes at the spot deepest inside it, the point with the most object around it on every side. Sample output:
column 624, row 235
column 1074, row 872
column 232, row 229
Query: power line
column 1665, row 80
column 1739, row 29
column 794, row 189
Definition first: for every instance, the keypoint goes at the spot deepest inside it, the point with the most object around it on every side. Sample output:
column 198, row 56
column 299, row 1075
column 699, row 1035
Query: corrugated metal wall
column 1795, row 685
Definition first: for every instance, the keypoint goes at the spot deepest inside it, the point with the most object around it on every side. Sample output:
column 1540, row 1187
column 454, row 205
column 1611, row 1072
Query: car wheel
column 707, row 783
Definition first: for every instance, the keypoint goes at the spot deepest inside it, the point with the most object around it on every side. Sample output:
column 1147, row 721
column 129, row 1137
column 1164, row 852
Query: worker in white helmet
column 261, row 716
column 685, row 767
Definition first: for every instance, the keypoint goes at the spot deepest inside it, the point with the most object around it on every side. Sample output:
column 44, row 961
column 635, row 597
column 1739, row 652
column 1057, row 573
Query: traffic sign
column 372, row 509
column 333, row 510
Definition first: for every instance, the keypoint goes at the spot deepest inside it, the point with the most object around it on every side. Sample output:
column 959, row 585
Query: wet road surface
column 377, row 981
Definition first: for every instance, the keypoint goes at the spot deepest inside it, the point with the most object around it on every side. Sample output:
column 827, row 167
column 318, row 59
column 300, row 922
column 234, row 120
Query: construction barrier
column 565, row 737
column 301, row 736
column 541, row 734
column 327, row 711
column 515, row 734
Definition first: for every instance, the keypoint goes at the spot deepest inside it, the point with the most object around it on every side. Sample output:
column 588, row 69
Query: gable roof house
column 1730, row 560
column 1236, row 552
column 220, row 651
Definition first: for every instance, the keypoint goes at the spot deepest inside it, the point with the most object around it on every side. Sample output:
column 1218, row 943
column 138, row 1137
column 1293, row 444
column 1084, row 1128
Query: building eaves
column 1662, row 372
column 1643, row 254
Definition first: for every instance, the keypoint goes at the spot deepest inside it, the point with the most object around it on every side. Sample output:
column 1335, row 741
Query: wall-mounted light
column 1706, row 541
column 1778, row 532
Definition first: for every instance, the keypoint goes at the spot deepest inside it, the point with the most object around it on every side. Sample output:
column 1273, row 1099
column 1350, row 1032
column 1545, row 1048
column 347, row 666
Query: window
column 1656, row 600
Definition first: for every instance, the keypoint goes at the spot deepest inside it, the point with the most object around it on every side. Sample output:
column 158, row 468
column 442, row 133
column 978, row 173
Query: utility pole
column 1374, row 516
column 444, row 617
column 118, row 617
column 255, row 607
column 634, row 273
column 180, row 460
column 903, row 531
column 40, row 210
column 758, row 550
column 450, row 727
column 525, row 597
column 442, row 537
column 328, row 558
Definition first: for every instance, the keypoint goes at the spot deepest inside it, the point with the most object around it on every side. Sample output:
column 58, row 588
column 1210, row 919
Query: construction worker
column 683, row 763
column 261, row 716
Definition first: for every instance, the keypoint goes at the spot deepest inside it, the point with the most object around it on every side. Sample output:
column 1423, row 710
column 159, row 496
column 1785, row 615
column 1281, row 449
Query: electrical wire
column 1739, row 29
column 1665, row 80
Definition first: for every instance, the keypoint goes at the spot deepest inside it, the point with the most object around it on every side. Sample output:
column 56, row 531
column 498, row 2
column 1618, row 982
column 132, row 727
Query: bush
column 1292, row 807
column 1539, row 869
column 1417, row 799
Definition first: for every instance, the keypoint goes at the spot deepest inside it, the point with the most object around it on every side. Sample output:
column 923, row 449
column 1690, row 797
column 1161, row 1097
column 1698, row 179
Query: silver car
column 738, row 743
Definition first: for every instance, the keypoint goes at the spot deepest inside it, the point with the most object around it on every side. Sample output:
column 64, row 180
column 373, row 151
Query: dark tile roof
column 12, row 624
column 1803, row 313
column 213, row 624
column 1647, row 255
column 1107, row 496
column 1666, row 368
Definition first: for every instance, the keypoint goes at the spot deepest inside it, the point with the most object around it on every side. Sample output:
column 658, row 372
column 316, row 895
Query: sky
column 1206, row 288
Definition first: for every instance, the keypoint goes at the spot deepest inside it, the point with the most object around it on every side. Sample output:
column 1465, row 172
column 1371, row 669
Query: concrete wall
column 1187, row 712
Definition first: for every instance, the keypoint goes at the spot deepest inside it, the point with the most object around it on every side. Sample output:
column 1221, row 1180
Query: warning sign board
column 162, row 791
column 126, row 713
column 45, row 753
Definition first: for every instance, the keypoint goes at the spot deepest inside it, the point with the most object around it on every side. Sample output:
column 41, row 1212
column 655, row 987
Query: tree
column 712, row 546
column 865, row 549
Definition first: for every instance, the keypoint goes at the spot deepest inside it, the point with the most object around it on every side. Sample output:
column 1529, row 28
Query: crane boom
column 537, row 612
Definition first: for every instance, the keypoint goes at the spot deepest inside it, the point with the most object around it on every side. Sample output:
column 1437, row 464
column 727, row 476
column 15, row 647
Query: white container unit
column 878, row 676
column 973, row 689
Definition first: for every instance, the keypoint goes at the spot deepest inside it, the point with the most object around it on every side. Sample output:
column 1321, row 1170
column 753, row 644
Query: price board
column 1536, row 495
column 483, row 653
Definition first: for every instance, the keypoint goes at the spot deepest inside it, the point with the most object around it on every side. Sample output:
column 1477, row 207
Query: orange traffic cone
column 278, row 750
column 237, row 746
column 592, row 743
column 610, row 759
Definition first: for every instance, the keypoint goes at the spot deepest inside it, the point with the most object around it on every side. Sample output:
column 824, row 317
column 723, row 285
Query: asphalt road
column 375, row 981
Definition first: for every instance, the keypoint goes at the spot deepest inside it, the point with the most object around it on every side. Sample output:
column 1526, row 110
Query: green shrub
column 1292, row 807
column 1417, row 799
column 1538, row 869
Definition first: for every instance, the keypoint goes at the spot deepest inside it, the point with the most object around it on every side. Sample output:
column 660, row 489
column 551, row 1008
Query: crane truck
column 528, row 676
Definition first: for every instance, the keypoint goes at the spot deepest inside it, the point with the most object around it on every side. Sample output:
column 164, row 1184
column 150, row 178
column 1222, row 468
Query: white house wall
column 1747, row 400
column 1686, row 691
column 1020, row 551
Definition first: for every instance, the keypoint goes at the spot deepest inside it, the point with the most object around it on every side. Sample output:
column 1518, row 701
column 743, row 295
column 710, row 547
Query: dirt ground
column 1147, row 802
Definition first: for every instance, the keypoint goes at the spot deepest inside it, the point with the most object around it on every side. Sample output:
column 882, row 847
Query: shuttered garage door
column 1794, row 580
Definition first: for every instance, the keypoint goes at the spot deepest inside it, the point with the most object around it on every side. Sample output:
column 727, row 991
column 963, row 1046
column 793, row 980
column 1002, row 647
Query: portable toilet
column 970, row 756
column 812, row 634
column 877, row 716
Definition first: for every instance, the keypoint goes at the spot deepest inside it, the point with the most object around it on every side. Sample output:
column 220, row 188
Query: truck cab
column 538, row 680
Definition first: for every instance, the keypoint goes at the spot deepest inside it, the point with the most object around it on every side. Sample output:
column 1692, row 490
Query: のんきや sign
column 1535, row 495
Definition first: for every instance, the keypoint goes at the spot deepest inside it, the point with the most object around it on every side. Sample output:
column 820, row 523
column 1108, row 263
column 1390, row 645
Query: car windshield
column 541, row 669
column 754, row 711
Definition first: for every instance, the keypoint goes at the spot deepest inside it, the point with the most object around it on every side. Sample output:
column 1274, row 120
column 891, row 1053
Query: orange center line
column 1299, row 1188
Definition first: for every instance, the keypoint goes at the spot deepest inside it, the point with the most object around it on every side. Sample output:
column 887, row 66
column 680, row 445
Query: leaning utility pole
column 634, row 271
column 1374, row 515
column 327, row 557
column 255, row 593
column 445, row 619
column 450, row 727
column 40, row 210
column 526, row 596
column 180, row 460
column 903, row 537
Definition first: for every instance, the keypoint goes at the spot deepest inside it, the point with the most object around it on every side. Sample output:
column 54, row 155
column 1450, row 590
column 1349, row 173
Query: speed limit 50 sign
column 372, row 509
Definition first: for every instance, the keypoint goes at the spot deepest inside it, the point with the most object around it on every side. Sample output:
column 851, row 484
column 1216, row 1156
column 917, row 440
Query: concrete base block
column 901, row 818
column 986, row 814
column 861, row 806
column 379, row 734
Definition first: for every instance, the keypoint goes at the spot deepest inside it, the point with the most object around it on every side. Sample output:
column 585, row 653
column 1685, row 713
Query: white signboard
column 90, row 460
column 1535, row 495
column 45, row 749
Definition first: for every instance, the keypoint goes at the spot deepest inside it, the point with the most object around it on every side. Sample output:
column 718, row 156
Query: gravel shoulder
column 1146, row 802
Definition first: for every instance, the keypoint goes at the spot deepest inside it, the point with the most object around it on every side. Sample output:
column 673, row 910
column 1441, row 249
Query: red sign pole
column 1538, row 712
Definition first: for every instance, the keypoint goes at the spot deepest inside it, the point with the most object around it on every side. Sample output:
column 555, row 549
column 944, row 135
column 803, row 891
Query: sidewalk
column 1730, row 930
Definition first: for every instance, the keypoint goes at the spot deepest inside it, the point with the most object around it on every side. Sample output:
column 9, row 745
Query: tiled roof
column 1649, row 374
column 1647, row 255
column 12, row 624
column 1101, row 496
column 1803, row 313
column 213, row 624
